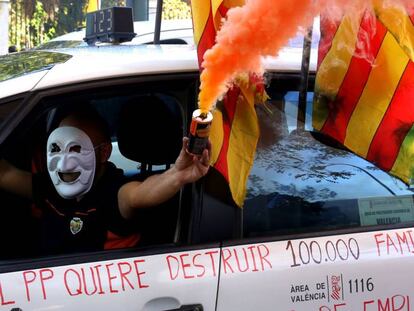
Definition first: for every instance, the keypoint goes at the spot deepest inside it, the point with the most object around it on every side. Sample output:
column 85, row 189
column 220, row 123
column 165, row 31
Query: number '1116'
column 360, row 285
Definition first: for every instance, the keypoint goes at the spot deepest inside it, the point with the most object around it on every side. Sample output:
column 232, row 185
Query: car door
column 364, row 271
column 160, row 279
column 322, row 229
column 164, row 272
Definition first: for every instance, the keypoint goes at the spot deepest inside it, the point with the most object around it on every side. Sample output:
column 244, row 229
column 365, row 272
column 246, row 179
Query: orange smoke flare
column 261, row 28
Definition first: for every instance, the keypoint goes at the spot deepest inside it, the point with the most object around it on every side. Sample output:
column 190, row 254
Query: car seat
column 150, row 131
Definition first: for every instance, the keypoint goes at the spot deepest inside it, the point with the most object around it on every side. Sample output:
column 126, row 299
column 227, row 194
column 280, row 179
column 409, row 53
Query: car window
column 8, row 107
column 113, row 109
column 302, row 181
column 146, row 123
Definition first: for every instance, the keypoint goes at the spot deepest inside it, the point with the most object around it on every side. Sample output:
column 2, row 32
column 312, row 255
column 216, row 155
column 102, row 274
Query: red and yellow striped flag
column 207, row 19
column 235, row 130
column 93, row 5
column 364, row 91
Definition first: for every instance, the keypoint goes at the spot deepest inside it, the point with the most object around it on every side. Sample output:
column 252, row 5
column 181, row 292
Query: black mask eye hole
column 75, row 148
column 54, row 148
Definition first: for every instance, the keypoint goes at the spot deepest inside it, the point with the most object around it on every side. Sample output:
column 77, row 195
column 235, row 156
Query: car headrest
column 150, row 129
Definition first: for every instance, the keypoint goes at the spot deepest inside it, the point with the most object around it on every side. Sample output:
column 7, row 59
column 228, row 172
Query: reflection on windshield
column 17, row 64
column 292, row 162
column 60, row 44
column 302, row 181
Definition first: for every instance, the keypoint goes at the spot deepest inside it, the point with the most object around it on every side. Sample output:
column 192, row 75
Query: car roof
column 111, row 61
column 105, row 61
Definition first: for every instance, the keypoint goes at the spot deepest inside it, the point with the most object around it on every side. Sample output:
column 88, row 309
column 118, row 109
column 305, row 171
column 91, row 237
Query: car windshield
column 18, row 64
column 60, row 44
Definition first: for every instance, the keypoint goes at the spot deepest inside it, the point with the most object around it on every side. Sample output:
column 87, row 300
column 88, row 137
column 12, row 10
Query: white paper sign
column 387, row 210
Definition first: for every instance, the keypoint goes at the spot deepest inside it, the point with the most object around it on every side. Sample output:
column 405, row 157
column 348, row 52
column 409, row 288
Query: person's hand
column 192, row 167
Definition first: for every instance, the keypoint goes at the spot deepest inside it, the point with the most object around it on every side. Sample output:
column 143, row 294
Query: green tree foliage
column 33, row 22
column 175, row 9
column 111, row 3
column 36, row 21
column 41, row 27
column 70, row 16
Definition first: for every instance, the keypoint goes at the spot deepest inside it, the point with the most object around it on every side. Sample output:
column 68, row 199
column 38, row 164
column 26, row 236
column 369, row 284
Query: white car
column 321, row 229
column 178, row 31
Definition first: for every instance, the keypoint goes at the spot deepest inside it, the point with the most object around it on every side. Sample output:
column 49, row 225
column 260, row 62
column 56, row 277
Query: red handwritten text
column 32, row 276
column 88, row 281
column 189, row 266
column 252, row 258
column 395, row 243
column 3, row 300
column 394, row 303
column 336, row 307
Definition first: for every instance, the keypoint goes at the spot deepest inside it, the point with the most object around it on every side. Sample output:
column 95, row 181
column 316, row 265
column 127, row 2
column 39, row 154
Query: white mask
column 70, row 161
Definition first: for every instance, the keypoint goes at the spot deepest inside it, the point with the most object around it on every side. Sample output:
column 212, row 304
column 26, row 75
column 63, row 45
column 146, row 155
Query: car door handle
column 196, row 307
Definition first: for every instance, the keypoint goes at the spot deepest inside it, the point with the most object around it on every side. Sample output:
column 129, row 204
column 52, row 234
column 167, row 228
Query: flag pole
column 158, row 16
column 304, row 78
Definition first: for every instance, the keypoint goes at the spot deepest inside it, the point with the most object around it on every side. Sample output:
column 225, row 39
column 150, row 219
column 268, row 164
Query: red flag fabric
column 365, row 86
column 235, row 130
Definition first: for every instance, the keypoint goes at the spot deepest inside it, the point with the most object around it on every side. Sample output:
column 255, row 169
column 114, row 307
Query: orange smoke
column 261, row 28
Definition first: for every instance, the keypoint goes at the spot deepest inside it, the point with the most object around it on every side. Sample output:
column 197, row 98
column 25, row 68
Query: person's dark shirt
column 68, row 225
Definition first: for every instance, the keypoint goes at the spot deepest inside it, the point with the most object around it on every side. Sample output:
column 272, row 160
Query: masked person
column 84, row 200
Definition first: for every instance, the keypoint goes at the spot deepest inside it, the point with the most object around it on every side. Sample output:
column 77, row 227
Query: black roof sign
column 114, row 25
